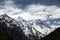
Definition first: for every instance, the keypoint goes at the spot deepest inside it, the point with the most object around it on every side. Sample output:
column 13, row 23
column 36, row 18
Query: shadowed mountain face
column 9, row 30
column 55, row 35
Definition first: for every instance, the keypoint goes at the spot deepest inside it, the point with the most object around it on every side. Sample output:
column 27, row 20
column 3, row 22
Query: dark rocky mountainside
column 9, row 30
column 55, row 35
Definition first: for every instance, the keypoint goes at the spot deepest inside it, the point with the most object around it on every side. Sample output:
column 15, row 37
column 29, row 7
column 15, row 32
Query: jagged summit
column 9, row 21
column 4, row 15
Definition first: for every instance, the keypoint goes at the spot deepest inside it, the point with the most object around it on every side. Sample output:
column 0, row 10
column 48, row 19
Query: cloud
column 42, row 11
column 31, row 12
column 9, row 8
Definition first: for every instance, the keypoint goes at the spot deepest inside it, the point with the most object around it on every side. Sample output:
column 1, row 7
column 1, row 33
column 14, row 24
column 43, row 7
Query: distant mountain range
column 21, row 29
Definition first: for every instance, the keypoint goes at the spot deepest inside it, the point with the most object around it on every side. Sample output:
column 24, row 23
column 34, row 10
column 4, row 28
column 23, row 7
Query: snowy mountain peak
column 34, row 29
column 9, row 21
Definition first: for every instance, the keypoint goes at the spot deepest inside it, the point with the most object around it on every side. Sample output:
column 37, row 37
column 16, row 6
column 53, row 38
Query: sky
column 31, row 9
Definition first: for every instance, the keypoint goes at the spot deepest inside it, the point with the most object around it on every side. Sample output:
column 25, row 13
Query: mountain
column 34, row 29
column 10, row 29
column 21, row 29
column 55, row 35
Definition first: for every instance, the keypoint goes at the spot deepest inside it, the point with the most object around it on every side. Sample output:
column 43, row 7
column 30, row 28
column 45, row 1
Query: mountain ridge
column 30, row 31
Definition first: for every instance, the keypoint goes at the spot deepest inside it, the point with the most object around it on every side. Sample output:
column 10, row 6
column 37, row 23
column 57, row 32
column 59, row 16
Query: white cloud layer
column 31, row 12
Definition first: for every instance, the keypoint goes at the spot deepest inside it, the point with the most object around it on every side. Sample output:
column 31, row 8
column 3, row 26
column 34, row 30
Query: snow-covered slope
column 34, row 29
